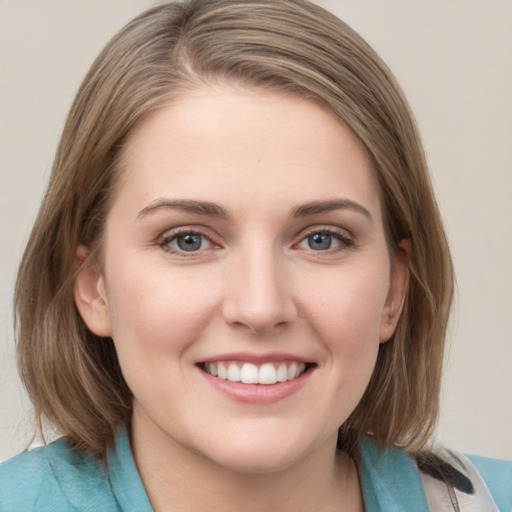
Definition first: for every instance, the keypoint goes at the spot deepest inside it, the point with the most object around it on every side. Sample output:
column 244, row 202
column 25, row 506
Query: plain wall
column 454, row 61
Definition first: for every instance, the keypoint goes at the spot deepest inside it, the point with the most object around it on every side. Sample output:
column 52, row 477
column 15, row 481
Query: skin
column 254, row 286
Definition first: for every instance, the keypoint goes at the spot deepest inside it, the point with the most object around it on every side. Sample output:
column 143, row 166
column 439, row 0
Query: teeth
column 222, row 371
column 249, row 373
column 234, row 373
column 268, row 374
column 292, row 371
column 282, row 373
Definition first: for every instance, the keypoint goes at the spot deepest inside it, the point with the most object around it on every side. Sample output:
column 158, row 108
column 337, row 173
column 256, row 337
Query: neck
column 177, row 478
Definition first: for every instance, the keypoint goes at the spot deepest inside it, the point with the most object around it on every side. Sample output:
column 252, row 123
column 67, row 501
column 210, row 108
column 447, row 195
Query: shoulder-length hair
column 72, row 376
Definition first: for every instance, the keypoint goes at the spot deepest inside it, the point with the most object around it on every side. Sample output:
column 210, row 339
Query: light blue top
column 56, row 479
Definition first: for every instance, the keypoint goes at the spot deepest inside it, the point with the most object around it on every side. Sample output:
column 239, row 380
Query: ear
column 398, row 285
column 90, row 295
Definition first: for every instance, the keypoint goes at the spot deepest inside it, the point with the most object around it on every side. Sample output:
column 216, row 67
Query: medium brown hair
column 72, row 376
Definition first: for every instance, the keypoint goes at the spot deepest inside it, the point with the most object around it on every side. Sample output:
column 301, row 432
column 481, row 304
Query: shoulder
column 390, row 475
column 473, row 483
column 497, row 476
column 21, row 479
column 390, row 479
column 53, row 478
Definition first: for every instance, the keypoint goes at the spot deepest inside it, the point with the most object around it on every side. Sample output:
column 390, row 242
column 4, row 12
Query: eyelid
column 169, row 235
column 345, row 238
column 325, row 228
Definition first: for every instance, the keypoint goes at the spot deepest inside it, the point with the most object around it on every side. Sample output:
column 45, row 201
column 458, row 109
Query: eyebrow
column 318, row 207
column 191, row 206
column 214, row 210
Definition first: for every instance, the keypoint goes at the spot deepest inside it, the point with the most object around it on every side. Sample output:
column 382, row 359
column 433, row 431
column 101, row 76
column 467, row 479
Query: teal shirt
column 56, row 479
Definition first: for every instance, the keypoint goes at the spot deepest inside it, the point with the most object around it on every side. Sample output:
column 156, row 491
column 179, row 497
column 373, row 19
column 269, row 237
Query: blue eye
column 189, row 242
column 325, row 241
column 320, row 241
column 186, row 242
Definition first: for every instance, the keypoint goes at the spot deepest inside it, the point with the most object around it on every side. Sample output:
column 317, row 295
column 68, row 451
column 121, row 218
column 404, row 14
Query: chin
column 257, row 461
column 252, row 454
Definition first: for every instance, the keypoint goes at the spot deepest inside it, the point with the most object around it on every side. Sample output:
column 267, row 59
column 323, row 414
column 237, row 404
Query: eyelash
column 345, row 241
column 166, row 240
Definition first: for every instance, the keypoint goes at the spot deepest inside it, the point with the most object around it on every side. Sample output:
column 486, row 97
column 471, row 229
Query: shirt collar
column 390, row 480
column 125, row 479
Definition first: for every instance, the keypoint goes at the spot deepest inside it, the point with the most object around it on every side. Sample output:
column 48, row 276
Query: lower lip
column 257, row 393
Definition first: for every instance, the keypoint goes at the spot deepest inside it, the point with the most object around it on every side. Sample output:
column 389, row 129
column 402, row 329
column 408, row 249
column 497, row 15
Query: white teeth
column 292, row 371
column 268, row 374
column 233, row 372
column 249, row 373
column 222, row 371
column 282, row 373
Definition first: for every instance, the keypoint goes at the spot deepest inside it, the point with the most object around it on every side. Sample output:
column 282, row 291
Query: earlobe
column 398, row 285
column 90, row 295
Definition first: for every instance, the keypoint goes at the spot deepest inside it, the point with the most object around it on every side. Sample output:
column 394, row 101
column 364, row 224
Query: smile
column 250, row 373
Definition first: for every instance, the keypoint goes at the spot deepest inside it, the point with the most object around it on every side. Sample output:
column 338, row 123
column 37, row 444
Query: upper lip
column 246, row 357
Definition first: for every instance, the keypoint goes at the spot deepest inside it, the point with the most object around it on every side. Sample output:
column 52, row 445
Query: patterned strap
column 444, row 497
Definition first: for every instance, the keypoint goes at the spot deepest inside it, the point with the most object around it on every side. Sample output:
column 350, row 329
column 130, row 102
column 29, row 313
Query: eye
column 324, row 240
column 186, row 242
column 320, row 241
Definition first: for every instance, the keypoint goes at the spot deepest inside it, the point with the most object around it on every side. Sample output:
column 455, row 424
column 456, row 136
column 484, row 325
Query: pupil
column 320, row 241
column 189, row 242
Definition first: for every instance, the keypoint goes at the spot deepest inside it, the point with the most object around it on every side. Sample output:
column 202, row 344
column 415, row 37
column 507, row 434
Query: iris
column 189, row 242
column 320, row 241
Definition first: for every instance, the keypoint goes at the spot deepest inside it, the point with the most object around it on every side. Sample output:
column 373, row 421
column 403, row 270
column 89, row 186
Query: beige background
column 454, row 60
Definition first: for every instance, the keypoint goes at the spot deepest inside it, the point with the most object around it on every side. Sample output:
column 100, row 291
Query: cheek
column 349, row 306
column 344, row 310
column 157, row 309
column 346, row 316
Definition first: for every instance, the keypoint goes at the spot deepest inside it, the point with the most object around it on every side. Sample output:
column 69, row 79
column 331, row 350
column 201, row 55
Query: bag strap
column 455, row 486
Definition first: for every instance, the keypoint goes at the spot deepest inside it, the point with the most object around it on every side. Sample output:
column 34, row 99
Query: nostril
column 259, row 307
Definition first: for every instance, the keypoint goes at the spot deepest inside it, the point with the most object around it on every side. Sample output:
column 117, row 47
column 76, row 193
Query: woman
column 245, row 284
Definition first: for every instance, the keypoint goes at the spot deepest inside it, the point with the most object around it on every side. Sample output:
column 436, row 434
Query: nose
column 259, row 297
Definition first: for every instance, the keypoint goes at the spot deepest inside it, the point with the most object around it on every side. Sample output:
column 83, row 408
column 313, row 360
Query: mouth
column 267, row 373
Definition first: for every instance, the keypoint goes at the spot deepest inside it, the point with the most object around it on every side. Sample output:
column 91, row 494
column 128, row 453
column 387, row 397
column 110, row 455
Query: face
column 245, row 277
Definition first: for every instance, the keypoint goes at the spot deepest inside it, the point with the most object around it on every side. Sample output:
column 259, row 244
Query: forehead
column 219, row 143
